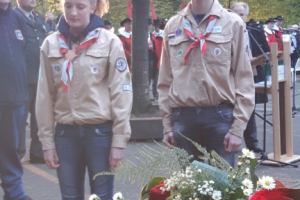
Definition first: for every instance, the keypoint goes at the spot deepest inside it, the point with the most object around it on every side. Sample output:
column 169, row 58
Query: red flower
column 156, row 194
column 277, row 194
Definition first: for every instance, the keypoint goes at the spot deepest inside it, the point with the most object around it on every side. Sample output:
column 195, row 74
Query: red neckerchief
column 67, row 69
column 201, row 39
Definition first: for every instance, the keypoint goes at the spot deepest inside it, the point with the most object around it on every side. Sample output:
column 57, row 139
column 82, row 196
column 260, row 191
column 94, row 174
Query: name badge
column 217, row 29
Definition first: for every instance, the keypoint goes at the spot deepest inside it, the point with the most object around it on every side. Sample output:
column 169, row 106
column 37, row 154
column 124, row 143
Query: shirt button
column 38, row 38
column 35, row 29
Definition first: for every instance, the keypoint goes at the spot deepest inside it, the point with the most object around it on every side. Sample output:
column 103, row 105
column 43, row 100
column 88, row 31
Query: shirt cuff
column 119, row 141
column 48, row 143
column 238, row 128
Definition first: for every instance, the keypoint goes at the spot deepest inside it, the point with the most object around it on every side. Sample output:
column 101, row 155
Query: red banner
column 152, row 10
column 182, row 4
column 129, row 9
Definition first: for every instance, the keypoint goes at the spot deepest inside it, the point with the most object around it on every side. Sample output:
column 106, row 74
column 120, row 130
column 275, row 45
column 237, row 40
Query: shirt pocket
column 95, row 63
column 218, row 50
column 178, row 48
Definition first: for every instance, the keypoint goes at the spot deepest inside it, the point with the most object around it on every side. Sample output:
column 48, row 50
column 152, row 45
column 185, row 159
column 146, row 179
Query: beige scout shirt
column 98, row 92
column 223, row 75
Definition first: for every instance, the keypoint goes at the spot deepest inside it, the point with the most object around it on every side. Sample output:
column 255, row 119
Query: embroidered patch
column 217, row 52
column 56, row 68
column 171, row 35
column 121, row 65
column 100, row 42
column 127, row 87
column 179, row 53
column 19, row 35
column 178, row 32
column 95, row 69
column 217, row 29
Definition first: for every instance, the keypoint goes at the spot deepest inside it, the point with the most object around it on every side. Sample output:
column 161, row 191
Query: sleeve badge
column 121, row 65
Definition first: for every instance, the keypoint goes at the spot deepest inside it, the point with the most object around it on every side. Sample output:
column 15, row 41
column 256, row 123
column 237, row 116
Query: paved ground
column 41, row 183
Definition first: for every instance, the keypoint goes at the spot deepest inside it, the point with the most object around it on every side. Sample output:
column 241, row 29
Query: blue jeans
column 81, row 147
column 205, row 125
column 11, row 171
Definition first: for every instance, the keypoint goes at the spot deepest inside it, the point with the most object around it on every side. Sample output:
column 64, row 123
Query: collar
column 216, row 9
column 25, row 12
column 267, row 30
column 160, row 33
column 125, row 34
column 4, row 12
column 64, row 28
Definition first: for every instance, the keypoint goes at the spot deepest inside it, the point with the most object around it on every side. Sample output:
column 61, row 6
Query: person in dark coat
column 36, row 33
column 50, row 25
column 13, row 97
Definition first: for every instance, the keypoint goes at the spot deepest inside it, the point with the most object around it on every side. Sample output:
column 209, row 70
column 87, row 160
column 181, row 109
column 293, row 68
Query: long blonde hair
column 102, row 7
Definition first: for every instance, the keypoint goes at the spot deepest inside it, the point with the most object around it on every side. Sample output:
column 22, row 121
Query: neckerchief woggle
column 201, row 39
column 67, row 69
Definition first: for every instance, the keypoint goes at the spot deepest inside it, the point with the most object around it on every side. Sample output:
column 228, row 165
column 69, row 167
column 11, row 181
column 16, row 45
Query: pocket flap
column 54, row 53
column 219, row 38
column 178, row 40
column 97, row 52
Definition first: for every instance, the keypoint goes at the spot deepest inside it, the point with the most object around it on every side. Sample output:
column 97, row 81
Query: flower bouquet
column 184, row 180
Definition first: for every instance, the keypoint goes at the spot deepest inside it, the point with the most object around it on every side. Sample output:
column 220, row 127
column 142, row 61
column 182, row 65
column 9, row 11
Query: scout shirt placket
column 200, row 59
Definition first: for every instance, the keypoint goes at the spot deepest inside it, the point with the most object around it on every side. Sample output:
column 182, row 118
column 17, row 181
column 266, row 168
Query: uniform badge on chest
column 100, row 42
column 179, row 53
column 19, row 35
column 217, row 52
column 95, row 69
column 56, row 69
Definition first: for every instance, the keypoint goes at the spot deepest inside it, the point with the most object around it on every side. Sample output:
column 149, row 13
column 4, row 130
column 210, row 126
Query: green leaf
column 253, row 176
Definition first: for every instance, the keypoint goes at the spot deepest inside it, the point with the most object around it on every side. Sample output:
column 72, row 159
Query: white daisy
column 118, row 196
column 248, row 192
column 248, row 153
column 217, row 195
column 94, row 197
column 248, row 183
column 247, row 170
column 267, row 182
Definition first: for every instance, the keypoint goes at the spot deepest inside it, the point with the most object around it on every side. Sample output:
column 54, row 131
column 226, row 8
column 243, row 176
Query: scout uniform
column 126, row 39
column 86, row 90
column 100, row 89
column 204, row 67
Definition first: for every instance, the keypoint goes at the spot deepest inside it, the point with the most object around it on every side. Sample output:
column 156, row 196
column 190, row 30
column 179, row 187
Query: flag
column 152, row 10
column 182, row 4
column 129, row 9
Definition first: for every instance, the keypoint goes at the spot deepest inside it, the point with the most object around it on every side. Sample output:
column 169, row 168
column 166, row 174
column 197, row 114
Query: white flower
column 248, row 153
column 217, row 195
column 248, row 192
column 118, row 196
column 267, row 182
column 94, row 197
column 247, row 170
column 211, row 182
column 248, row 183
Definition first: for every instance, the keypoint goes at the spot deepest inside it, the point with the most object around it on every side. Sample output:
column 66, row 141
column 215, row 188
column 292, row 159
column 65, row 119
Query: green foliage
column 259, row 9
column 149, row 164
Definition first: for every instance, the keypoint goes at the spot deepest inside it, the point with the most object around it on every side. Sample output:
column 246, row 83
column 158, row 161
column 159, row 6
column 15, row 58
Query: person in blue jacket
column 13, row 96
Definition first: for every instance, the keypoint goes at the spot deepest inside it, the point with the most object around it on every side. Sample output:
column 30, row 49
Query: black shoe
column 26, row 198
column 36, row 160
